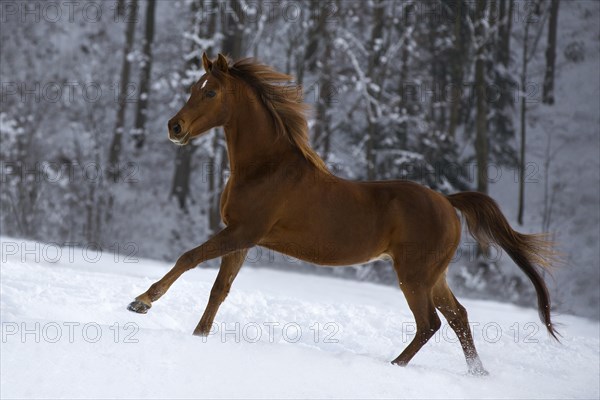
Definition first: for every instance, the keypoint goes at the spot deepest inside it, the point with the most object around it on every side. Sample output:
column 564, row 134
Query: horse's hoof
column 137, row 306
column 201, row 331
column 478, row 372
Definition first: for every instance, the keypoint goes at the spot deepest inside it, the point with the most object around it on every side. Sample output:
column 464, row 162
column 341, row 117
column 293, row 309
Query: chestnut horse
column 280, row 195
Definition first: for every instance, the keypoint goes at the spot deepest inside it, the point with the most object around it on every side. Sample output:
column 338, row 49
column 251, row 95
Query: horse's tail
column 487, row 224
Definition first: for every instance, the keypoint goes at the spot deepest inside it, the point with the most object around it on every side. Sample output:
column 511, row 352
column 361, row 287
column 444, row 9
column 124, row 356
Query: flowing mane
column 283, row 100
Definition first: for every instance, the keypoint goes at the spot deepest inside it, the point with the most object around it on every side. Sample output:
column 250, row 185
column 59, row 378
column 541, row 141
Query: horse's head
column 207, row 106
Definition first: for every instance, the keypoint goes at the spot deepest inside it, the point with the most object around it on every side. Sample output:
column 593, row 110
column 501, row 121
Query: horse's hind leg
column 230, row 266
column 420, row 301
column 456, row 314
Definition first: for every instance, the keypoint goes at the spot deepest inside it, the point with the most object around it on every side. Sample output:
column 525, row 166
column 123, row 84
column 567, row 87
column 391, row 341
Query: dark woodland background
column 457, row 95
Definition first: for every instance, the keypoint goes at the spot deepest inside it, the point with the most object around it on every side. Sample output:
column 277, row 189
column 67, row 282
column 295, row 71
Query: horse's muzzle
column 177, row 134
column 182, row 140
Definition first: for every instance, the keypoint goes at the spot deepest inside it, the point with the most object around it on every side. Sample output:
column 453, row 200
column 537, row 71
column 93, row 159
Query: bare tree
column 457, row 66
column 548, row 91
column 481, row 140
column 376, row 48
column 523, row 124
column 139, row 130
column 505, row 18
column 232, row 29
column 319, row 57
column 528, row 53
column 180, row 184
column 406, row 40
column 550, row 194
column 116, row 144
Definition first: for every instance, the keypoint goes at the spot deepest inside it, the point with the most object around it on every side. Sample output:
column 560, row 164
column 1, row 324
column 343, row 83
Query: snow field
column 66, row 333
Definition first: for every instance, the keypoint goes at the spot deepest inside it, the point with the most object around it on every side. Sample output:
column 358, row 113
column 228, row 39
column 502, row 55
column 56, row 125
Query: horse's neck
column 252, row 140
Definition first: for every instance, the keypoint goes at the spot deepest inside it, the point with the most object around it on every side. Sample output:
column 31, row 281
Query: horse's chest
column 245, row 204
column 231, row 205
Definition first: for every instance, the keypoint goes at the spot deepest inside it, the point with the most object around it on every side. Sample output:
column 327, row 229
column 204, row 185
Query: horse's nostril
column 176, row 129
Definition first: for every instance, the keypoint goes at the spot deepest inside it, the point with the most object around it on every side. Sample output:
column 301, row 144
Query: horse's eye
column 211, row 93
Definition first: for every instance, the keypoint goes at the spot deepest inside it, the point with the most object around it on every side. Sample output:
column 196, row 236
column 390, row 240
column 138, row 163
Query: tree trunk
column 481, row 140
column 116, row 144
column 457, row 71
column 314, row 39
column 322, row 127
column 215, row 178
column 492, row 21
column 139, row 132
column 180, row 188
column 233, row 29
column 501, row 25
column 504, row 31
column 548, row 92
column 319, row 53
column 375, row 47
column 404, row 57
column 431, row 36
column 232, row 44
column 523, row 126
column 442, row 105
column 508, row 32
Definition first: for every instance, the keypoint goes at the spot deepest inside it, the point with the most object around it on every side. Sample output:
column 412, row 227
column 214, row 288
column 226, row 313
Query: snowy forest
column 497, row 96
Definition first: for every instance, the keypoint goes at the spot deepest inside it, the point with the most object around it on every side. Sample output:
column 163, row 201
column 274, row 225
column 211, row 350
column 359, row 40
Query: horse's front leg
column 228, row 240
column 230, row 266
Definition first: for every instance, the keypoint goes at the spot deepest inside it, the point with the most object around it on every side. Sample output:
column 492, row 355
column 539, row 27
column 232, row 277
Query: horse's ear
column 222, row 63
column 206, row 63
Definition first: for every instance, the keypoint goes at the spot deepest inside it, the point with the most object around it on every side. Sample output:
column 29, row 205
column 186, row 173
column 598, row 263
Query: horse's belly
column 318, row 253
column 325, row 248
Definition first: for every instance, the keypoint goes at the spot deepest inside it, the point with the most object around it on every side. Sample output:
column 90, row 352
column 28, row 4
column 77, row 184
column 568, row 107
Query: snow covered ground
column 66, row 333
